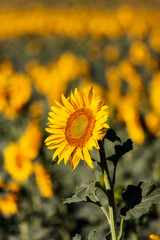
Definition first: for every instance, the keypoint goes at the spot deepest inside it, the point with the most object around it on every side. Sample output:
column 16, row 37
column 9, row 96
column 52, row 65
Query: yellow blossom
column 6, row 67
column 153, row 123
column 43, row 180
column 128, row 112
column 154, row 237
column 19, row 92
column 30, row 140
column 154, row 40
column 72, row 67
column 76, row 126
column 3, row 92
column 154, row 91
column 139, row 53
column 8, row 203
column 111, row 53
column 16, row 163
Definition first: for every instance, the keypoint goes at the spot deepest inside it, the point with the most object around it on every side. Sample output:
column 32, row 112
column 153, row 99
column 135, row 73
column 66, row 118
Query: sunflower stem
column 110, row 190
column 103, row 210
column 121, row 230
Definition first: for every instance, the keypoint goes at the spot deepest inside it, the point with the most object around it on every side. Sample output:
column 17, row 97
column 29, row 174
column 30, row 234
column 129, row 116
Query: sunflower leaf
column 91, row 235
column 83, row 193
column 76, row 237
column 74, row 199
column 120, row 150
column 139, row 199
column 98, row 174
column 112, row 136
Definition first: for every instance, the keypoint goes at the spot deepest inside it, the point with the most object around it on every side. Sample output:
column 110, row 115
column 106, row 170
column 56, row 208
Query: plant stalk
column 109, row 188
column 111, row 206
column 121, row 230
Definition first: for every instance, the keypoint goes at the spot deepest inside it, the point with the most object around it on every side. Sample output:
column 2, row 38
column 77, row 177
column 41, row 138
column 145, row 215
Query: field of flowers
column 49, row 51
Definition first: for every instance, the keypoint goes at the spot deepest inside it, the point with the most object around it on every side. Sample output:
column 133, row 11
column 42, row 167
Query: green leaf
column 98, row 174
column 112, row 136
column 73, row 199
column 83, row 193
column 139, row 199
column 91, row 235
column 120, row 150
column 95, row 155
column 77, row 237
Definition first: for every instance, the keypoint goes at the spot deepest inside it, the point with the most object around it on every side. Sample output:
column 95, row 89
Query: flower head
column 43, row 180
column 154, row 237
column 30, row 140
column 8, row 201
column 17, row 164
column 76, row 126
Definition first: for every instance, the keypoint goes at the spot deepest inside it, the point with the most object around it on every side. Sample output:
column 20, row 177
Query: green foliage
column 83, row 193
column 91, row 236
column 120, row 150
column 112, row 136
column 139, row 199
column 77, row 237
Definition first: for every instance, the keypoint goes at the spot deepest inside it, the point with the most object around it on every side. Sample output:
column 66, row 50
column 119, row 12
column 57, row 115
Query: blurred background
column 48, row 48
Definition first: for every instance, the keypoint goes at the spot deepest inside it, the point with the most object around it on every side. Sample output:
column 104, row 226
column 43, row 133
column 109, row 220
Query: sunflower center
column 19, row 161
column 80, row 127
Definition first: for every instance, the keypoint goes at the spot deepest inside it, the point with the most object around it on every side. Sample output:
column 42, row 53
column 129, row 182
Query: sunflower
column 154, row 237
column 43, row 180
column 30, row 140
column 8, row 199
column 76, row 126
column 16, row 163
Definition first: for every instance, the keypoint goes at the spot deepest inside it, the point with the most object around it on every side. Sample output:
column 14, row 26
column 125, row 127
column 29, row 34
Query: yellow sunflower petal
column 68, row 153
column 79, row 98
column 65, row 153
column 100, row 114
column 53, row 146
column 87, row 157
column 92, row 143
column 105, row 125
column 67, row 104
column 59, row 150
column 61, row 112
column 76, row 158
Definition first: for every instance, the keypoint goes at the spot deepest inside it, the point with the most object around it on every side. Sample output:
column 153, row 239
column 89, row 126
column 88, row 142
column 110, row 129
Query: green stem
column 121, row 230
column 109, row 188
column 103, row 210
column 111, row 206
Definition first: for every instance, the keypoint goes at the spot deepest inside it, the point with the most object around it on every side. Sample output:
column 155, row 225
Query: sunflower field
column 71, row 74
